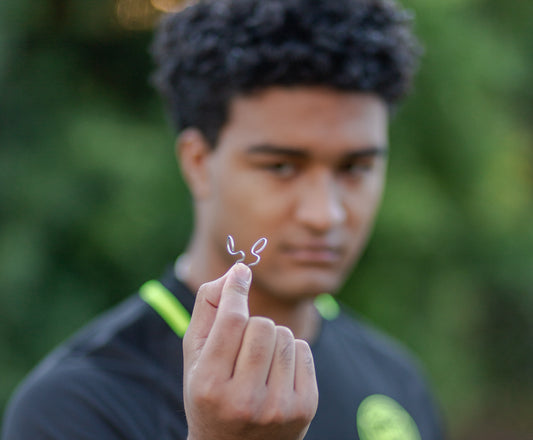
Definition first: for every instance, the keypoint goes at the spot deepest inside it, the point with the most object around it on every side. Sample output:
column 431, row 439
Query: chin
column 295, row 288
column 320, row 286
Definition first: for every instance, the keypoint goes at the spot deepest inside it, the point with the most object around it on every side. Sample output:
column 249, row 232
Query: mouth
column 314, row 254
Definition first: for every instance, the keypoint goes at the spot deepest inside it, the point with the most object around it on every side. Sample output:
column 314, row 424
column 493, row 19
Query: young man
column 283, row 108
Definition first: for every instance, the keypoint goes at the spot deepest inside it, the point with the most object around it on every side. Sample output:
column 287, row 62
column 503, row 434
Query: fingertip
column 240, row 278
column 242, row 272
column 210, row 290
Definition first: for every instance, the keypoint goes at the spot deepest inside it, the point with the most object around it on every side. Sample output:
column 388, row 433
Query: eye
column 357, row 168
column 281, row 169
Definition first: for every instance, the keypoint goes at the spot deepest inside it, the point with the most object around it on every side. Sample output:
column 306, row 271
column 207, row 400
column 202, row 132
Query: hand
column 244, row 377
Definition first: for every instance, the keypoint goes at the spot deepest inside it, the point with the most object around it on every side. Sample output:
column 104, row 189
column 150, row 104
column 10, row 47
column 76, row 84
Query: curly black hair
column 215, row 50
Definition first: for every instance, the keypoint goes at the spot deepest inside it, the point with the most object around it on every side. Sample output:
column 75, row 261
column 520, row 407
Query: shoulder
column 72, row 398
column 106, row 382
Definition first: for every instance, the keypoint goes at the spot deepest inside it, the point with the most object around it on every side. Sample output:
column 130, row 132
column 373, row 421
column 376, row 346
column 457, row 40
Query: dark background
column 92, row 203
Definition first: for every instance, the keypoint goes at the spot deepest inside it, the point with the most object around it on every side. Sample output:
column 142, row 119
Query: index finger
column 202, row 317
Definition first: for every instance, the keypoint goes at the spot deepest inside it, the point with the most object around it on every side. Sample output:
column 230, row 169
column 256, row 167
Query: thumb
column 234, row 296
column 221, row 348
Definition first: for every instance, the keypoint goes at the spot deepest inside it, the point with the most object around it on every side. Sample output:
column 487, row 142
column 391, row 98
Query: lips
column 314, row 253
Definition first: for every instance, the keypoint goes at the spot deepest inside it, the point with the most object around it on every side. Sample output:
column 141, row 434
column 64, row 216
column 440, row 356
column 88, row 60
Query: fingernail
column 243, row 273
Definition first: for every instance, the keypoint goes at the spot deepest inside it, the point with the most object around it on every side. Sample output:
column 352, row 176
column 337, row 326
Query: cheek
column 373, row 196
column 246, row 207
column 252, row 194
column 364, row 201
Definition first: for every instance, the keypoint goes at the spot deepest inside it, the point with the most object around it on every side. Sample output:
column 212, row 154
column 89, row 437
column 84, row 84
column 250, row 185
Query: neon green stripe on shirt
column 327, row 306
column 166, row 305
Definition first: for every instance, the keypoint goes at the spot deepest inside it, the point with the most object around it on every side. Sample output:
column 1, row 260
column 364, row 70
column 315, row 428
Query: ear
column 192, row 152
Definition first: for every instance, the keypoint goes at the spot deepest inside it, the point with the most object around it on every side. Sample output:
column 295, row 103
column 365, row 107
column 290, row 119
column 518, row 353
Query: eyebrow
column 300, row 153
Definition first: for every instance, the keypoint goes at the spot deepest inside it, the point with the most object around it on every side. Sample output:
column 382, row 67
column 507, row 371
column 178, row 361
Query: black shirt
column 121, row 378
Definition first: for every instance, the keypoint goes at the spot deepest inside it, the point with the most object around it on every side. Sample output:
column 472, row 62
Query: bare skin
column 245, row 377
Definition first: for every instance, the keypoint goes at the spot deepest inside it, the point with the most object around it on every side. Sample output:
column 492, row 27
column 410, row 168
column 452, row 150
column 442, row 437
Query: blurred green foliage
column 92, row 204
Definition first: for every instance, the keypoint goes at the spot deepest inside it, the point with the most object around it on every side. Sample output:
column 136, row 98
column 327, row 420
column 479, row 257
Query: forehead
column 306, row 117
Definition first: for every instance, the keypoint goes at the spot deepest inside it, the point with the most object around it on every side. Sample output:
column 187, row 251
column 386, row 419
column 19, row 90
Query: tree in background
column 91, row 203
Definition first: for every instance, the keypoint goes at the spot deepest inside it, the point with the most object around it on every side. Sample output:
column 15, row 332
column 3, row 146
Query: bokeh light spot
column 169, row 5
column 136, row 14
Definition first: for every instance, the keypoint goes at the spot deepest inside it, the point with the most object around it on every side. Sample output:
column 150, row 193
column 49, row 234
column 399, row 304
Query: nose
column 320, row 206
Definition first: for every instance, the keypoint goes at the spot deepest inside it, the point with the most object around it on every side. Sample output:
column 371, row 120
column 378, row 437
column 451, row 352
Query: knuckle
column 242, row 407
column 286, row 346
column 187, row 343
column 279, row 411
column 287, row 410
column 242, row 412
column 304, row 411
column 284, row 332
column 205, row 394
column 260, row 334
column 205, row 287
column 261, row 325
column 233, row 320
column 275, row 417
column 307, row 403
column 303, row 351
column 303, row 419
column 192, row 343
column 309, row 413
